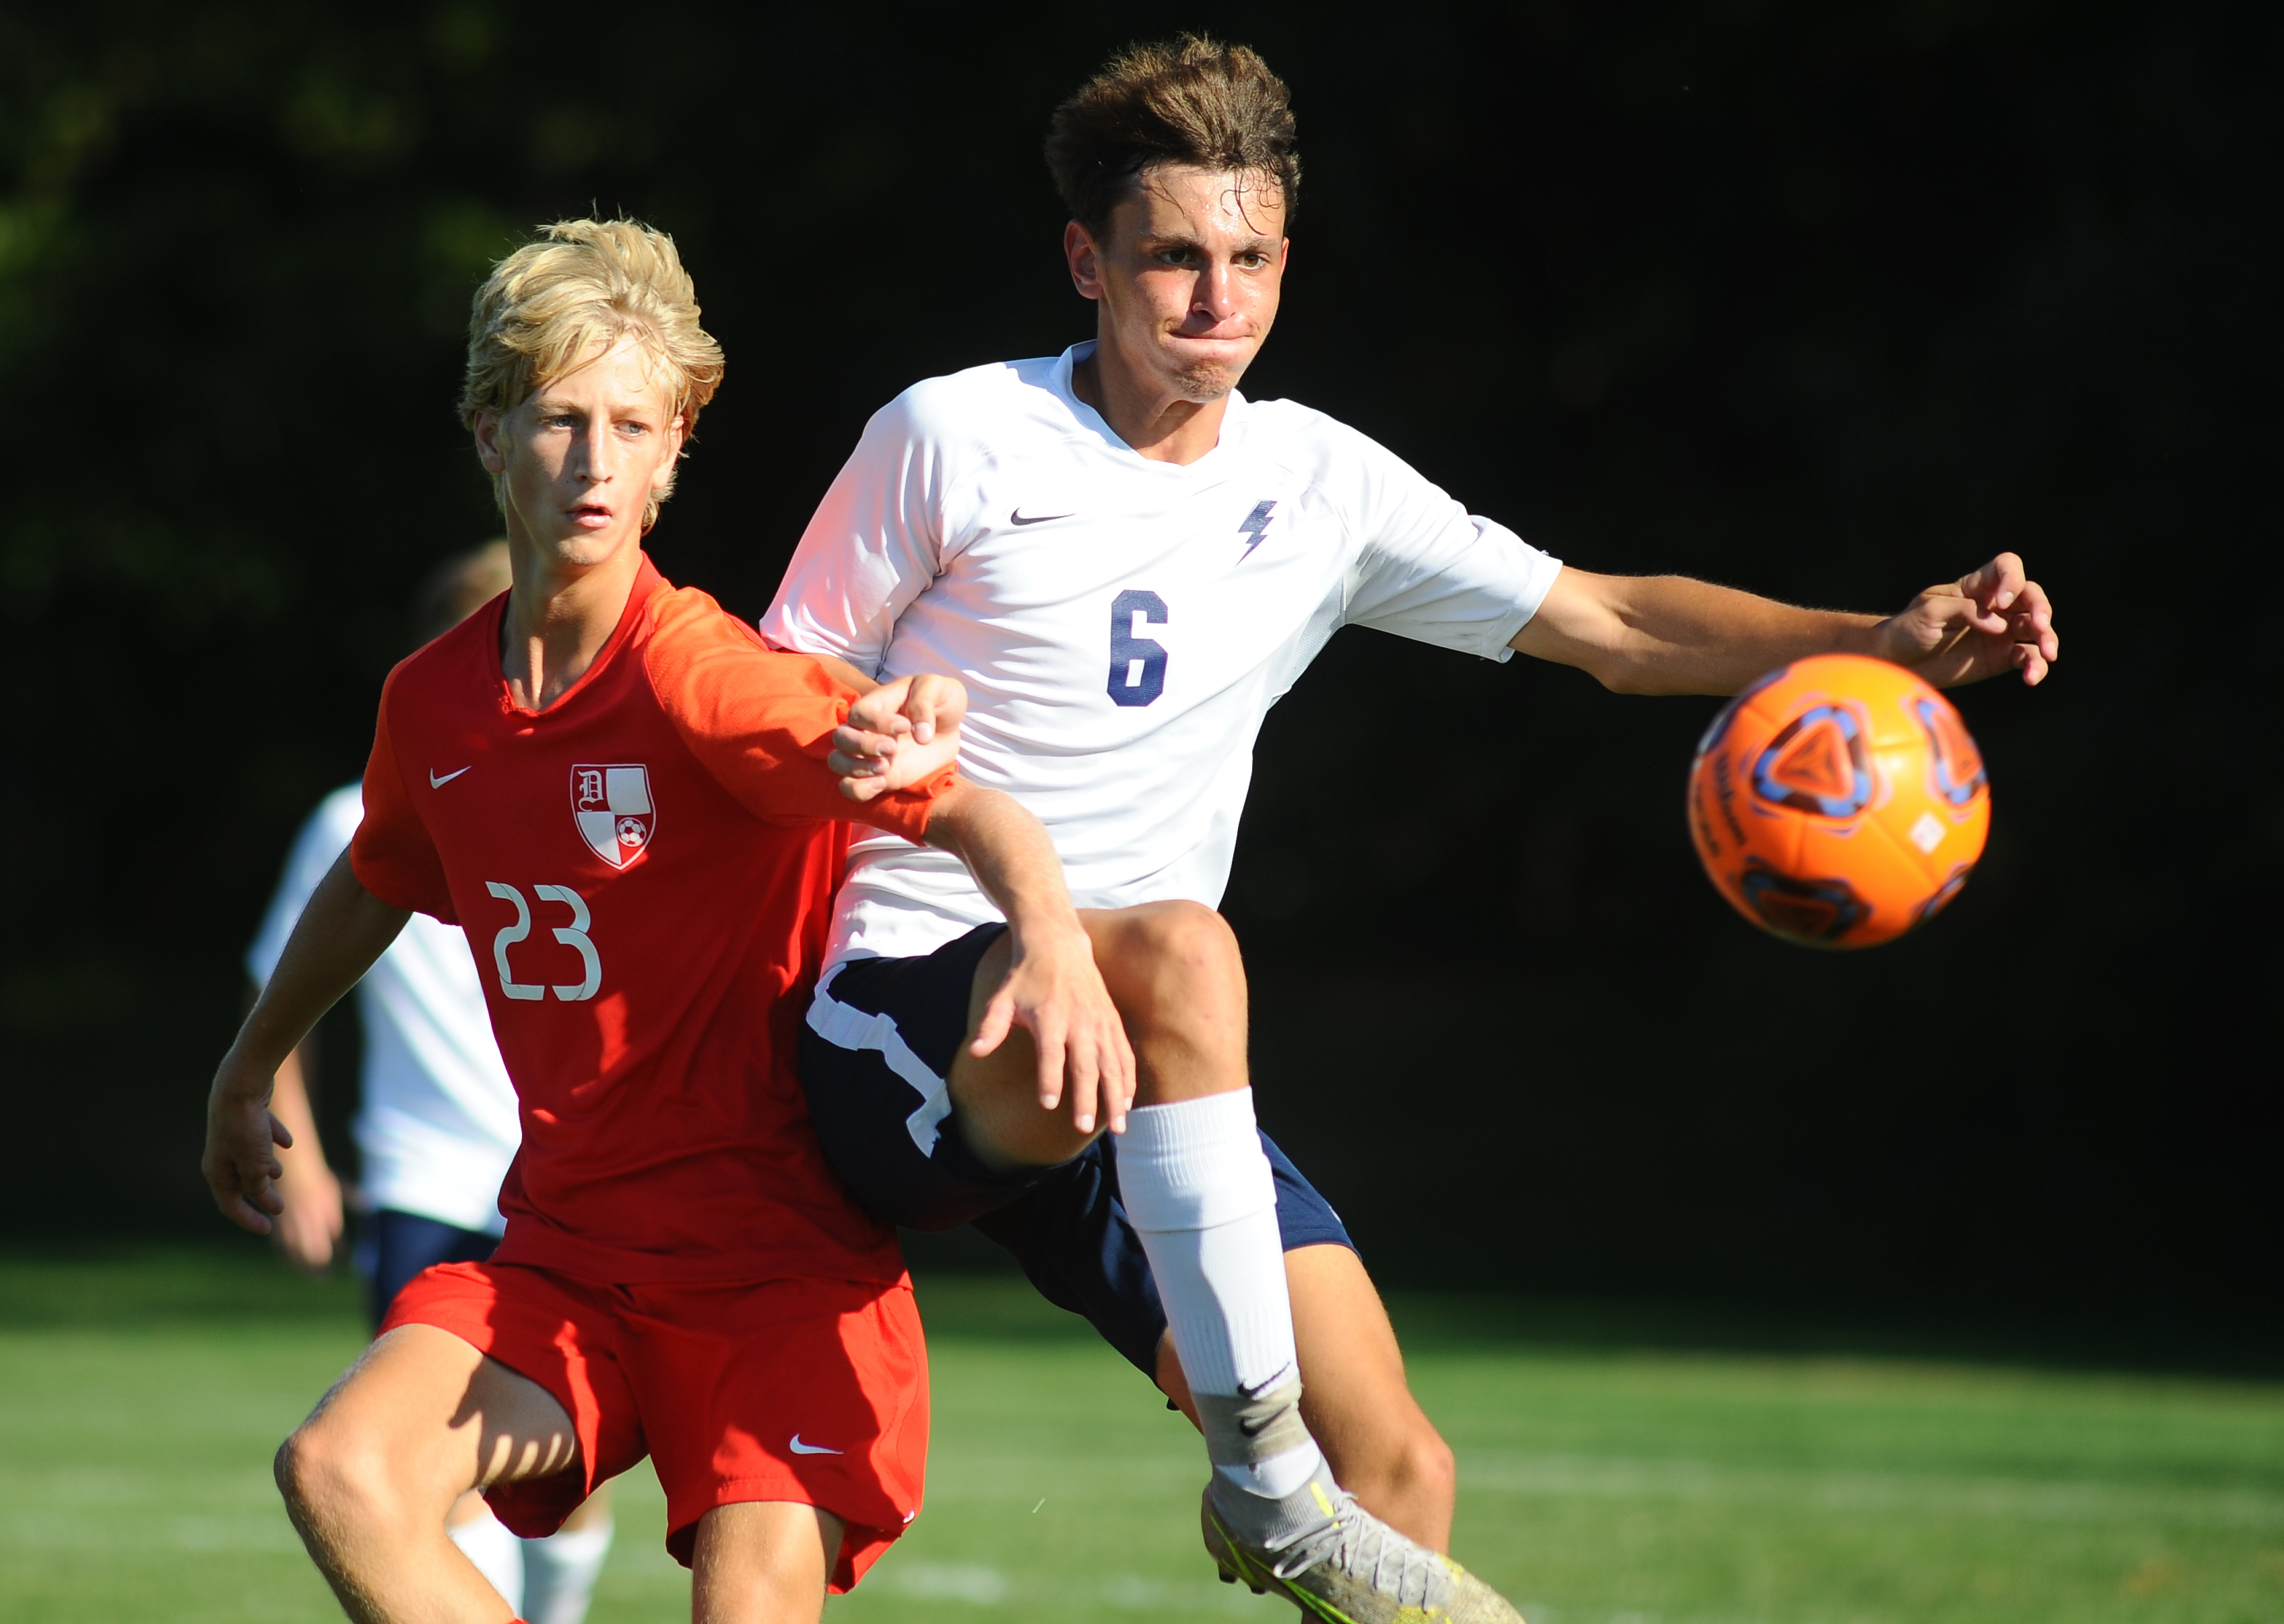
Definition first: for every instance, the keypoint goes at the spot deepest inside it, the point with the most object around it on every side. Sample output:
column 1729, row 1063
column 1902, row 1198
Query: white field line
column 980, row 1586
column 1931, row 1494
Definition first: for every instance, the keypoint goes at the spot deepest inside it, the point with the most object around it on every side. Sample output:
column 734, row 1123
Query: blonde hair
column 586, row 285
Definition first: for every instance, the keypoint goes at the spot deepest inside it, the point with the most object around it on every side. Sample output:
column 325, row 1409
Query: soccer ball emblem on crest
column 612, row 806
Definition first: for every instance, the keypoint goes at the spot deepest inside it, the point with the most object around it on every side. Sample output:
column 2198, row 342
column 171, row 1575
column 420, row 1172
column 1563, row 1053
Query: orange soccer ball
column 1838, row 801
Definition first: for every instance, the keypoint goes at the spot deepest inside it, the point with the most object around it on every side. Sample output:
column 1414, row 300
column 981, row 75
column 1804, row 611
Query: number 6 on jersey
column 1138, row 666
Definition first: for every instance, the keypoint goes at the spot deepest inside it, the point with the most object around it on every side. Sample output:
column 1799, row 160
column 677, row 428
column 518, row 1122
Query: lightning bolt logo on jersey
column 1119, row 660
column 1256, row 526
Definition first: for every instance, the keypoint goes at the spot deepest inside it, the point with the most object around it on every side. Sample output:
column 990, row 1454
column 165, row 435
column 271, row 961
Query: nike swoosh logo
column 435, row 783
column 1017, row 517
column 1285, row 1374
column 800, row 1448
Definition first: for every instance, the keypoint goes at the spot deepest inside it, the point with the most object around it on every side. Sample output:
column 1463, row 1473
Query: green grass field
column 140, row 1399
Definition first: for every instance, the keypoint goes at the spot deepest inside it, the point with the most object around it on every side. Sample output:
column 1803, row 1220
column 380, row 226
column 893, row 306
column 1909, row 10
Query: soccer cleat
column 1358, row 1570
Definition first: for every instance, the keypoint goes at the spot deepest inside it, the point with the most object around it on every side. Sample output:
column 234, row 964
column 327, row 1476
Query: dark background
column 1827, row 302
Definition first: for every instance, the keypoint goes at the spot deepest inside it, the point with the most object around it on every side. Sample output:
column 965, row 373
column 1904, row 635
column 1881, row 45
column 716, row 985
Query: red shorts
column 811, row 1391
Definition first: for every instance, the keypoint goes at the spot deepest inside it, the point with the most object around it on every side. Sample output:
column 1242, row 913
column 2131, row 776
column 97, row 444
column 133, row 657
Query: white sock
column 498, row 1554
column 561, row 1571
column 1200, row 1193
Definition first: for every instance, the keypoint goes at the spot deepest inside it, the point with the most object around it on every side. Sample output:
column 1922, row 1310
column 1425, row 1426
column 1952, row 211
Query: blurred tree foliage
column 1826, row 302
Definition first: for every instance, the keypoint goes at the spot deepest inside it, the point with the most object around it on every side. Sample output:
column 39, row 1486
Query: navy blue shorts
column 874, row 1055
column 405, row 1243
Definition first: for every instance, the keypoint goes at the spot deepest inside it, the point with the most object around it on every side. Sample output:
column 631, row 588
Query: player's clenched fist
column 900, row 734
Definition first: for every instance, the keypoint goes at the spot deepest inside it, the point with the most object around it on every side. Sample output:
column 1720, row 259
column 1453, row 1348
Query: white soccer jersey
column 1122, row 625
column 438, row 1126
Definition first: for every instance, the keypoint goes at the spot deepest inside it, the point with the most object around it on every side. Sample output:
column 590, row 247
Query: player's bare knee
column 1190, row 934
column 309, row 1472
column 328, row 1478
column 1192, row 957
column 286, row 1468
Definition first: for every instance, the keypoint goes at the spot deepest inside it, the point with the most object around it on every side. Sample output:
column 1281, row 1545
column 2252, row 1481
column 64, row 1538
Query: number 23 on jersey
column 572, row 935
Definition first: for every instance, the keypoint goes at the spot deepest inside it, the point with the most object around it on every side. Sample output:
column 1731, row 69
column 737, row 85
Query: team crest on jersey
column 613, row 808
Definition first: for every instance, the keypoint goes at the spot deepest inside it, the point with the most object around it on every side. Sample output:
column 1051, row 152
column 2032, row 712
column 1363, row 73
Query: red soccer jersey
column 644, row 871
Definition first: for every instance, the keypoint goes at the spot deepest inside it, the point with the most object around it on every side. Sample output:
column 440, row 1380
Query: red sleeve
column 761, row 721
column 391, row 853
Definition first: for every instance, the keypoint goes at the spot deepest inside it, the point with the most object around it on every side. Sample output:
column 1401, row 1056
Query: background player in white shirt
column 1127, row 562
column 435, row 1130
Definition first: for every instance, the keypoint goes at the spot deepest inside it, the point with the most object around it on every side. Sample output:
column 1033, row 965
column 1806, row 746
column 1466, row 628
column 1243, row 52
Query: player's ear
column 1085, row 261
column 676, row 431
column 488, row 450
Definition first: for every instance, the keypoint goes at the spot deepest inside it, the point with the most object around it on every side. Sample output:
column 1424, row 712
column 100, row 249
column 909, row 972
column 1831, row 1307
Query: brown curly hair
column 1189, row 101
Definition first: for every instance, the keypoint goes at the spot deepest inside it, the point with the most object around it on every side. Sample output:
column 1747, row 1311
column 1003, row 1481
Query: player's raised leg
column 1198, row 1189
column 1196, row 1183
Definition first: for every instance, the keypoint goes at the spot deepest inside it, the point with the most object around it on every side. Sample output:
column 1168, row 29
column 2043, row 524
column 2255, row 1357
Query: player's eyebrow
column 1158, row 243
column 649, row 410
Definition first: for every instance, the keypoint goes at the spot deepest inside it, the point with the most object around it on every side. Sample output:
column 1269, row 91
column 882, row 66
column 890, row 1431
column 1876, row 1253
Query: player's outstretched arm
column 342, row 930
column 1052, row 988
column 1667, row 633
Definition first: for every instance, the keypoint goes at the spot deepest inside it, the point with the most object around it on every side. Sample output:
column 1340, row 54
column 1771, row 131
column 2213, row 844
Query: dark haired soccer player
column 626, row 801
column 1128, row 562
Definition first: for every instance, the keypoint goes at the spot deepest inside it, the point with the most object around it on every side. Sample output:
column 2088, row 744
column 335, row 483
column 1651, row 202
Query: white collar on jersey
column 1233, row 424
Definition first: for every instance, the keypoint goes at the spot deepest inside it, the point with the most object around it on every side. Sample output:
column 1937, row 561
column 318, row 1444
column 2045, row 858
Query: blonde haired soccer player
column 435, row 1127
column 1128, row 563
column 632, row 808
